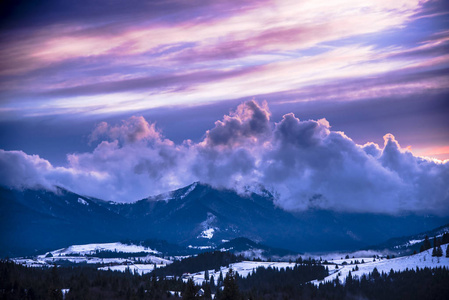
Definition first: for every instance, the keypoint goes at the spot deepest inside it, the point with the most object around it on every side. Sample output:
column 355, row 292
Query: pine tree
column 189, row 292
column 349, row 280
column 439, row 251
column 207, row 291
column 426, row 245
column 445, row 238
column 206, row 275
column 447, row 251
column 212, row 282
column 220, row 279
column 230, row 288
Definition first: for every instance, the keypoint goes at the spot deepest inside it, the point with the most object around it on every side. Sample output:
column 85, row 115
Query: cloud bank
column 303, row 162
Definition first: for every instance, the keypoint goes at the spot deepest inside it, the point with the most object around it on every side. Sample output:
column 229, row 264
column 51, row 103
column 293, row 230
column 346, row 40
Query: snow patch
column 134, row 268
column 208, row 229
column 82, row 201
column 199, row 247
column 191, row 188
column 207, row 234
column 412, row 242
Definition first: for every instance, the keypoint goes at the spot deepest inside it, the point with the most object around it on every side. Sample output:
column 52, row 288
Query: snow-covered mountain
column 35, row 221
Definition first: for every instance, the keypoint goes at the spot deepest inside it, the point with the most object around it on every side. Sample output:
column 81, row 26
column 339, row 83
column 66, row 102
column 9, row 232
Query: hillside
column 197, row 216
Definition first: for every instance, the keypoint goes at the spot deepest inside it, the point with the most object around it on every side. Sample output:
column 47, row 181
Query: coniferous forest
column 19, row 282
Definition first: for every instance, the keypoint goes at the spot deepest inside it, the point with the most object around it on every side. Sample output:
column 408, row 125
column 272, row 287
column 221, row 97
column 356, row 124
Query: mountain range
column 198, row 215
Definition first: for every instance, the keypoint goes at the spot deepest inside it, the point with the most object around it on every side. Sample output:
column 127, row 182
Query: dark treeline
column 19, row 282
column 272, row 281
column 437, row 242
column 410, row 284
column 204, row 261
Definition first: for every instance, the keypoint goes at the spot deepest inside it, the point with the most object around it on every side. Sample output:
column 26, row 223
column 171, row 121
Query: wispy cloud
column 196, row 51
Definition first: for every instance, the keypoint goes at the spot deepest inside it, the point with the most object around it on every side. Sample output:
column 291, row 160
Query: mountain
column 197, row 216
column 33, row 221
column 408, row 244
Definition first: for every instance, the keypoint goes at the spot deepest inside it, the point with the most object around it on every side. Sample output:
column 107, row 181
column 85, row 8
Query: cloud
column 133, row 130
column 19, row 170
column 303, row 162
column 250, row 123
column 202, row 51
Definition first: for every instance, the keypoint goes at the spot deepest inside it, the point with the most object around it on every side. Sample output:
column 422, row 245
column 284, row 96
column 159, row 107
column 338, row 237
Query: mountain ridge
column 196, row 215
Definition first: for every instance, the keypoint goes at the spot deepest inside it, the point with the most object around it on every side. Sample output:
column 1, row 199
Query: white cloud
column 304, row 162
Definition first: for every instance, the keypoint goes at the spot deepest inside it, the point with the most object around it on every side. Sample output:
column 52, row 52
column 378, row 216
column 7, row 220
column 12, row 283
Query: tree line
column 20, row 282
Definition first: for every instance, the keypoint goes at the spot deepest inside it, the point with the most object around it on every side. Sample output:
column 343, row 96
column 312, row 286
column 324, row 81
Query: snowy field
column 90, row 249
column 134, row 268
column 146, row 264
column 420, row 260
column 77, row 254
column 50, row 261
column 243, row 268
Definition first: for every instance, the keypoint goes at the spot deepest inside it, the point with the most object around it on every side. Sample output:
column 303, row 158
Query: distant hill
column 250, row 249
column 407, row 244
column 196, row 216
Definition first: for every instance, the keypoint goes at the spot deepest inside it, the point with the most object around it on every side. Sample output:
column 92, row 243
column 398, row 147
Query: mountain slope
column 196, row 215
column 407, row 244
column 36, row 220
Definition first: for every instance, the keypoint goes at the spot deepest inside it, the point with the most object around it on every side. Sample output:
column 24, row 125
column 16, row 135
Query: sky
column 339, row 105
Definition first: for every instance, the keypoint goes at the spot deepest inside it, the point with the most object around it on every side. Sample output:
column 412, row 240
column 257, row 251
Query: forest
column 20, row 282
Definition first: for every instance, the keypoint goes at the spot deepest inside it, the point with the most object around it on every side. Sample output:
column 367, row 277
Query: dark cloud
column 249, row 124
column 303, row 134
column 305, row 163
column 31, row 13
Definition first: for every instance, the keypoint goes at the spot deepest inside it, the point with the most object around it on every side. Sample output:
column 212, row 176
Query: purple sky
column 81, row 77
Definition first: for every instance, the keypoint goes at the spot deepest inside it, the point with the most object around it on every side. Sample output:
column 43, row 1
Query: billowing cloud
column 303, row 162
column 250, row 123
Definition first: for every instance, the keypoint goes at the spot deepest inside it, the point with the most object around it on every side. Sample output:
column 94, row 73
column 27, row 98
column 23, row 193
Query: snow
column 420, row 260
column 413, row 242
column 208, row 229
column 76, row 255
column 134, row 268
column 82, row 201
column 92, row 248
column 244, row 268
column 207, row 234
column 199, row 247
column 191, row 188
